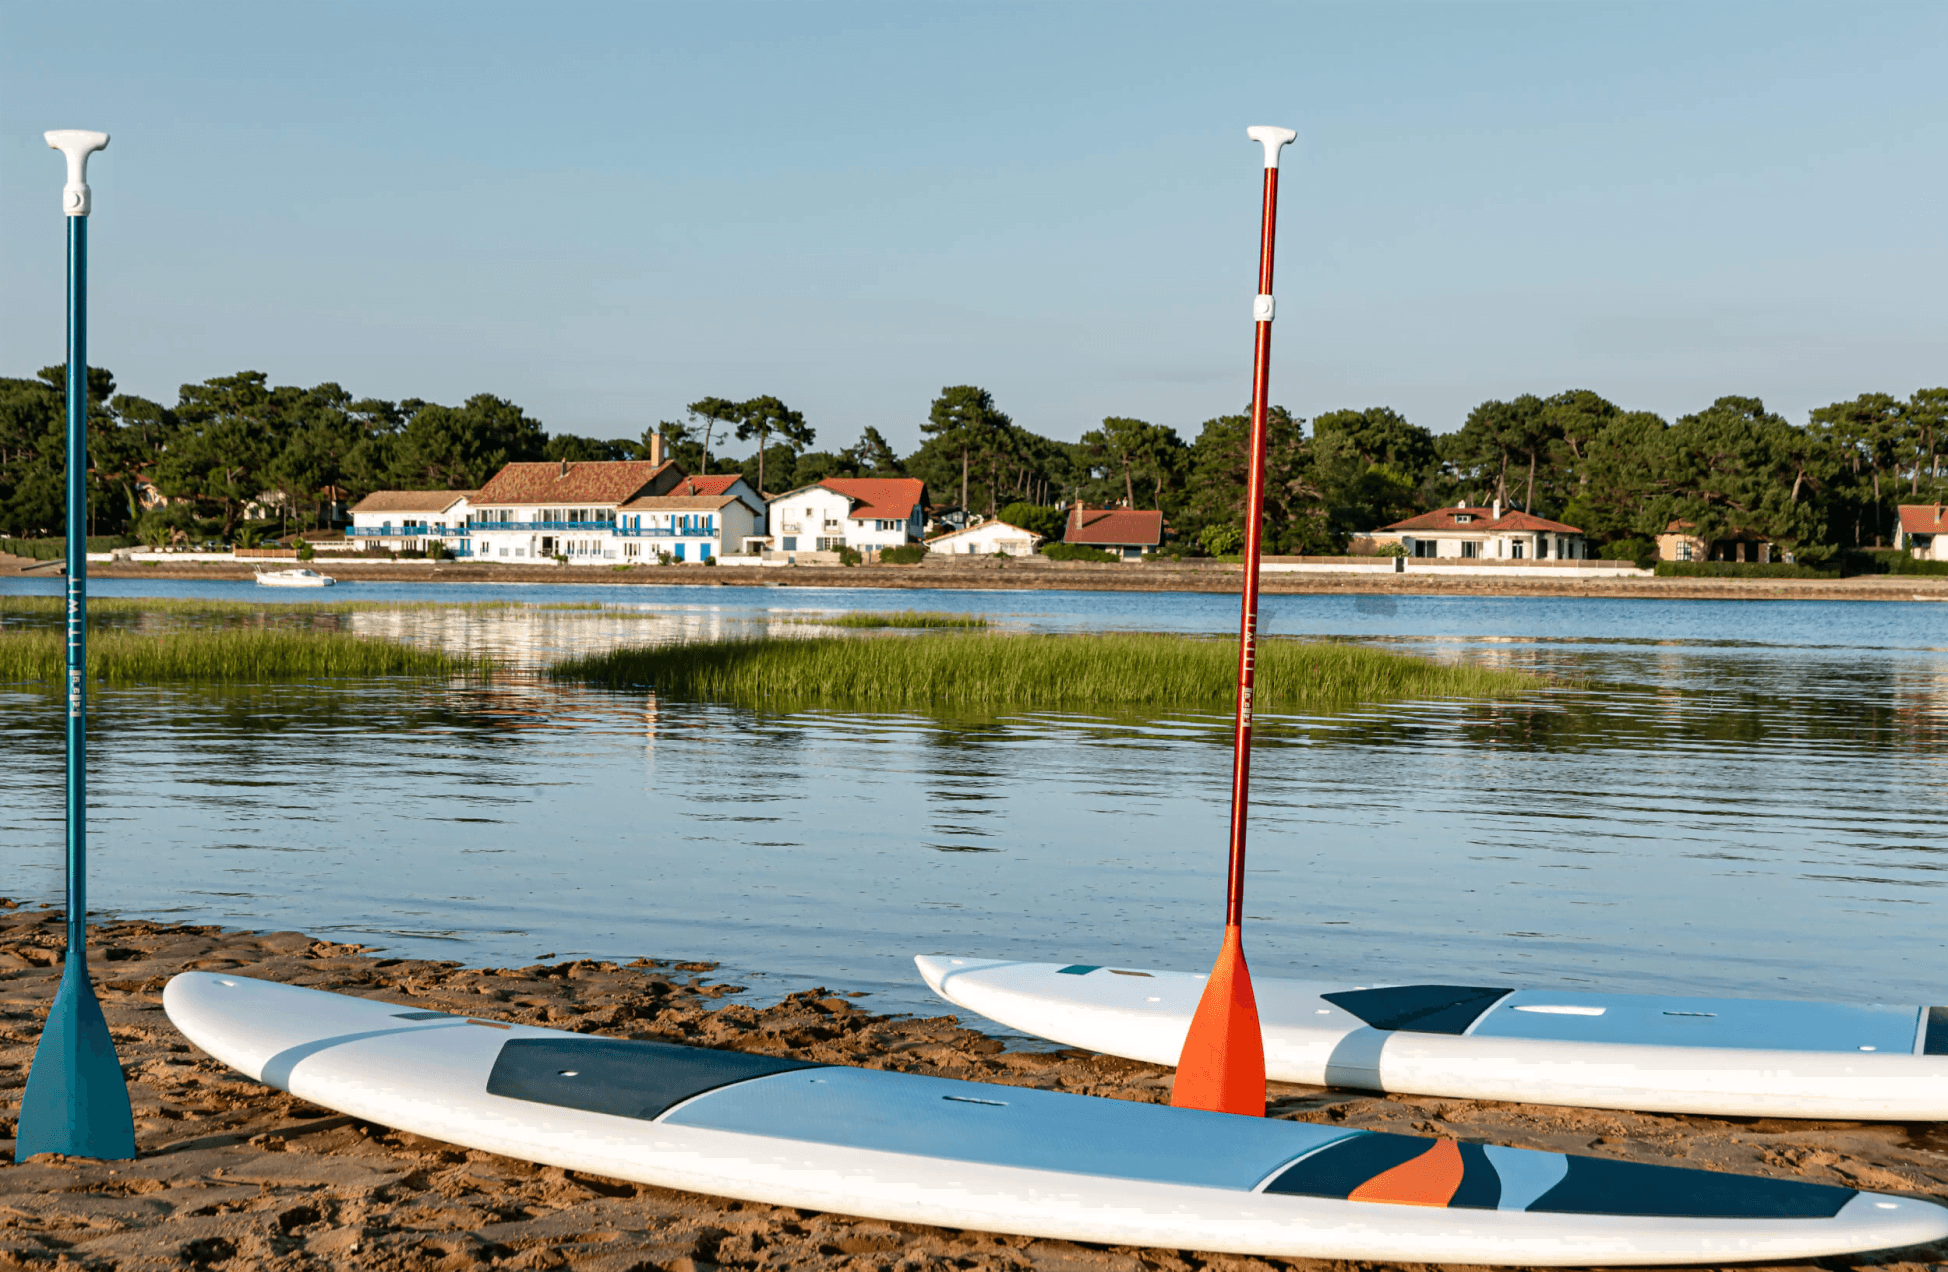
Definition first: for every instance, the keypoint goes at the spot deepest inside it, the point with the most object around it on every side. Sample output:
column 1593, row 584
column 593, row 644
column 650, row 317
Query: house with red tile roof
column 987, row 538
column 1491, row 533
column 715, row 484
column 866, row 514
column 407, row 520
column 1128, row 532
column 1923, row 531
column 563, row 508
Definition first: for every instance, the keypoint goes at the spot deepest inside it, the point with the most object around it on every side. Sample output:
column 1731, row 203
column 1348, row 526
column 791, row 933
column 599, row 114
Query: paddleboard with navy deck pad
column 917, row 1149
column 1729, row 1057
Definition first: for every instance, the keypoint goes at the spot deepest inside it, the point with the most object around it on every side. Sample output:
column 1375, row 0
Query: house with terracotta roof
column 1923, row 532
column 866, row 514
column 1491, row 533
column 564, row 509
column 1128, row 532
column 987, row 538
column 411, row 520
column 684, row 527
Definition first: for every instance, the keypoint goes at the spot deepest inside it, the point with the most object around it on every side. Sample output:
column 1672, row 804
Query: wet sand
column 235, row 1175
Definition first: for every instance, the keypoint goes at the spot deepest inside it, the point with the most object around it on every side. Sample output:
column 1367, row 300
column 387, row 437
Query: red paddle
column 1222, row 1067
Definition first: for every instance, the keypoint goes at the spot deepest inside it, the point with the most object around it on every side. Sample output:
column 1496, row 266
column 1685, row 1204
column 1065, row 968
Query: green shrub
column 1740, row 570
column 1395, row 549
column 1221, row 540
column 435, row 550
column 1076, row 552
column 849, row 556
column 305, row 551
column 905, row 554
column 54, row 549
column 1902, row 563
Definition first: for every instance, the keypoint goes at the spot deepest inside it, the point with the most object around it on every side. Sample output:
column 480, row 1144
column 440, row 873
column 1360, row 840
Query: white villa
column 1923, row 532
column 866, row 514
column 987, row 539
column 409, row 520
column 1493, row 533
column 611, row 513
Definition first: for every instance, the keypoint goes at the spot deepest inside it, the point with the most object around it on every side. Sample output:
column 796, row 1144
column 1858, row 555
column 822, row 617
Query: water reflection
column 1699, row 814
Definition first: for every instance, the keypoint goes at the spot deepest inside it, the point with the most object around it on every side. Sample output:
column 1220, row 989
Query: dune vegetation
column 989, row 670
column 225, row 656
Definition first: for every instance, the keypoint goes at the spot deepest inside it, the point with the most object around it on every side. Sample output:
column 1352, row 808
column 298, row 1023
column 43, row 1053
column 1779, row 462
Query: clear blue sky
column 605, row 211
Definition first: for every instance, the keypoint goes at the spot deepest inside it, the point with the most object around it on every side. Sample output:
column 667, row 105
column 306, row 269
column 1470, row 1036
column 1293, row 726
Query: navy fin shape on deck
column 1440, row 1009
column 1935, row 1041
column 1605, row 1186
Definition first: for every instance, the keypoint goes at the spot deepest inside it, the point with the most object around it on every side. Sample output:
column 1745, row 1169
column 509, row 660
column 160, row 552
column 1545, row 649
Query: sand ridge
column 236, row 1175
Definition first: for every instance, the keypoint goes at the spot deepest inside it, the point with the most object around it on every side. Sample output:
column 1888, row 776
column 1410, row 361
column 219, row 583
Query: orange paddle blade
column 1223, row 1063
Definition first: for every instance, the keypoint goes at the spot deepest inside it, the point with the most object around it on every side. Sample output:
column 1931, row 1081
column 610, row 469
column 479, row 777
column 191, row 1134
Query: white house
column 1923, row 532
column 685, row 528
column 866, row 514
column 563, row 509
column 987, row 539
column 1492, row 533
column 410, row 520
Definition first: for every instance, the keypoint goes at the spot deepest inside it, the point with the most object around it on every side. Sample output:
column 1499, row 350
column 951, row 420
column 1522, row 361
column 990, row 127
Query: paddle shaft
column 1234, row 901
column 77, row 404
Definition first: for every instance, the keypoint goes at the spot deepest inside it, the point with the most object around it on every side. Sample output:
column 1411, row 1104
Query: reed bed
column 226, row 656
column 992, row 670
column 900, row 618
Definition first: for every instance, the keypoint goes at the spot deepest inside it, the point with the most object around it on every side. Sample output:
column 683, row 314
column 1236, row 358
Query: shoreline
column 234, row 1173
column 1041, row 575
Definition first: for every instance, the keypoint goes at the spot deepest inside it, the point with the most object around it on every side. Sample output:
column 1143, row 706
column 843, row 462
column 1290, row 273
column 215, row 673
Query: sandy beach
column 233, row 1174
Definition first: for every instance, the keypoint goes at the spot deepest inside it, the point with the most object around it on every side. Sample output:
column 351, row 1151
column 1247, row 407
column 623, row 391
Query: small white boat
column 293, row 578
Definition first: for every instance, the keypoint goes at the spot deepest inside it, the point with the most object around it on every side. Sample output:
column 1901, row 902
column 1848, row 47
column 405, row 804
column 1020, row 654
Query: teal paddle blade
column 76, row 1100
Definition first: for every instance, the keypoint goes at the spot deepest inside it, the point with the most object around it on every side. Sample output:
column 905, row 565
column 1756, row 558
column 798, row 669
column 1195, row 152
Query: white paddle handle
column 77, row 144
column 1272, row 137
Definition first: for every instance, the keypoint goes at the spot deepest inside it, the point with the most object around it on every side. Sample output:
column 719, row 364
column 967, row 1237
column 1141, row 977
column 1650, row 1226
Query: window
column 1462, row 519
column 831, row 543
column 677, row 551
column 1469, row 548
column 703, row 552
column 1515, row 550
column 791, row 543
column 1684, row 550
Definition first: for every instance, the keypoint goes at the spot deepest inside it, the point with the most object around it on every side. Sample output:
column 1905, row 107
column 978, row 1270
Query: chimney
column 1498, row 510
column 656, row 447
column 1460, row 503
column 564, row 468
column 1937, row 514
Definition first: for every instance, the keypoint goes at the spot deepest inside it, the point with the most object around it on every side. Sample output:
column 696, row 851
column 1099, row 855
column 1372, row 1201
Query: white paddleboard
column 1005, row 1159
column 1733, row 1057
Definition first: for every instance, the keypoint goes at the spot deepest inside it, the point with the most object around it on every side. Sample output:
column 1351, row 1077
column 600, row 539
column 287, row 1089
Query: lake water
column 1733, row 797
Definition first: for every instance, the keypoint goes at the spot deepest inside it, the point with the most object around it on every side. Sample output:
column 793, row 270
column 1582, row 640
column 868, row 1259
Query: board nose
column 933, row 969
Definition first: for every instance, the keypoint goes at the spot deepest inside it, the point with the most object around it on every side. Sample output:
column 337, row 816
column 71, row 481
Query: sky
column 603, row 212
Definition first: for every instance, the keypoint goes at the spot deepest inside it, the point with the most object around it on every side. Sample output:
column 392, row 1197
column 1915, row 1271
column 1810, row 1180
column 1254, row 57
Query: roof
column 679, row 503
column 411, row 500
column 1114, row 525
column 985, row 525
column 590, row 482
column 1481, row 519
column 708, row 484
column 1924, row 519
column 874, row 498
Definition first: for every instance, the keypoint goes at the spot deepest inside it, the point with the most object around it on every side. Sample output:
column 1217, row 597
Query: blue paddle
column 76, row 1101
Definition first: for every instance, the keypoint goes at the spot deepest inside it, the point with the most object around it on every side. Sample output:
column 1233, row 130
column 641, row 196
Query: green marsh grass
column 900, row 618
column 1006, row 671
column 53, row 606
column 225, row 656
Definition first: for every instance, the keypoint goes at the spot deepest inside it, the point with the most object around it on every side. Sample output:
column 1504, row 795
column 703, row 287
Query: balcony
column 408, row 532
column 518, row 527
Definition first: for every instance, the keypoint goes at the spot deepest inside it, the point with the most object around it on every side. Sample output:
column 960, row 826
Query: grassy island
column 224, row 656
column 987, row 670
column 898, row 618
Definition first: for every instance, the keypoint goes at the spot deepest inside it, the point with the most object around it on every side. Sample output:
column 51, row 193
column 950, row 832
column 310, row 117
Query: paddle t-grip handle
column 1273, row 138
column 77, row 144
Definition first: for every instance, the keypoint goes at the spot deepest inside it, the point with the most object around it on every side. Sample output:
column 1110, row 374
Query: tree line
column 237, row 452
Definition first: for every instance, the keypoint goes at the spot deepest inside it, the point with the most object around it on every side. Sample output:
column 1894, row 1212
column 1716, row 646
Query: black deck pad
column 1439, row 1009
column 1605, row 1186
column 613, row 1075
column 1935, row 1042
